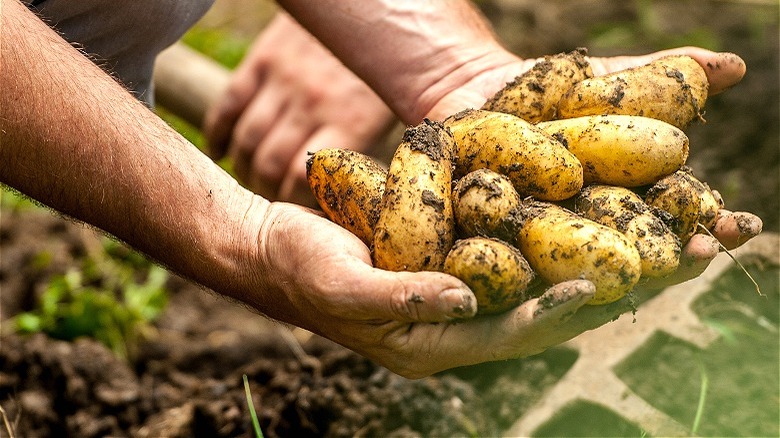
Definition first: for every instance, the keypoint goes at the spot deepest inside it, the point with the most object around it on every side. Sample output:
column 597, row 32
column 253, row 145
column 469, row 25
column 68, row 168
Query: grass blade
column 252, row 413
column 702, row 398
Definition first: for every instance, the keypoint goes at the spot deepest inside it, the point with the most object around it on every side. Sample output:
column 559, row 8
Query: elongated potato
column 560, row 245
column 619, row 150
column 685, row 203
column 483, row 202
column 495, row 271
column 348, row 186
column 621, row 209
column 534, row 95
column 416, row 226
column 536, row 163
column 672, row 89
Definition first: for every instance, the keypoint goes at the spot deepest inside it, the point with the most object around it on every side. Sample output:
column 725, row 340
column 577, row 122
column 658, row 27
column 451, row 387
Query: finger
column 410, row 297
column 735, row 228
column 294, row 187
column 694, row 259
column 263, row 112
column 529, row 329
column 723, row 70
column 220, row 119
column 559, row 303
column 275, row 152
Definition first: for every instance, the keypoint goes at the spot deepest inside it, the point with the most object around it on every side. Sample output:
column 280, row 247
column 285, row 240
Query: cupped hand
column 413, row 323
column 288, row 97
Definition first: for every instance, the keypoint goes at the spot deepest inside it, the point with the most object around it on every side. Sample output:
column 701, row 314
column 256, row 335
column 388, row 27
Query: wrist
column 412, row 53
column 229, row 260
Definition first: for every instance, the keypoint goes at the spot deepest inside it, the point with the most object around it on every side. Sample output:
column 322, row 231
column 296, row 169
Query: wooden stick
column 187, row 83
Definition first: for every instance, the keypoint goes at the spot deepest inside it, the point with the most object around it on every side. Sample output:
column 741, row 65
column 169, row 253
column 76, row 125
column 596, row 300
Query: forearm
column 74, row 140
column 404, row 49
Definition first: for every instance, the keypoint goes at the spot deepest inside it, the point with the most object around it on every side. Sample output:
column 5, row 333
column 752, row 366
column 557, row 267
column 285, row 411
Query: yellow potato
column 534, row 95
column 684, row 203
column 483, row 201
column 535, row 163
column 619, row 150
column 416, row 226
column 560, row 245
column 672, row 89
column 495, row 271
column 621, row 209
column 348, row 187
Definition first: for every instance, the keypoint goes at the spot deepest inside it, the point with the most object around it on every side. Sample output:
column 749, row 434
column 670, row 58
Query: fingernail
column 458, row 303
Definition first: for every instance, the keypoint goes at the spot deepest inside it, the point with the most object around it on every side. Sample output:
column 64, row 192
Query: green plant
column 702, row 397
column 252, row 413
column 103, row 299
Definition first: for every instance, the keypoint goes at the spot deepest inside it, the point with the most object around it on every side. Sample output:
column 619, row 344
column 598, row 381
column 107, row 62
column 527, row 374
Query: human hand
column 414, row 323
column 288, row 97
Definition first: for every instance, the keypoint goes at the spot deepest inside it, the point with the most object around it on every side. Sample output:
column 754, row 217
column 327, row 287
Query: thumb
column 413, row 297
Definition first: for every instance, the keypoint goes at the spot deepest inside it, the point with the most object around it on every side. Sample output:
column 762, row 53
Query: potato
column 483, row 201
column 534, row 95
column 416, row 226
column 621, row 209
column 560, row 245
column 685, row 203
column 619, row 150
column 348, row 187
column 672, row 89
column 535, row 163
column 495, row 271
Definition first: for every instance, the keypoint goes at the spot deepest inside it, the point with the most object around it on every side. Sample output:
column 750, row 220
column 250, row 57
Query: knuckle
column 405, row 302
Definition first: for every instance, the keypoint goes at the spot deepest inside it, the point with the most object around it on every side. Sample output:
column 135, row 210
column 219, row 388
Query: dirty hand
column 290, row 96
column 732, row 228
column 414, row 323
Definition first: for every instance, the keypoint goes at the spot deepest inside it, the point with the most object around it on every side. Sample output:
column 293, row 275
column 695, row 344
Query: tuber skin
column 561, row 245
column 416, row 225
column 621, row 150
column 348, row 186
column 534, row 95
column 645, row 90
column 483, row 201
column 495, row 271
column 535, row 163
column 623, row 210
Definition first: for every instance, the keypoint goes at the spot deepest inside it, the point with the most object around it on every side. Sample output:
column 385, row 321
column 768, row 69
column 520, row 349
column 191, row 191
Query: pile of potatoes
column 559, row 176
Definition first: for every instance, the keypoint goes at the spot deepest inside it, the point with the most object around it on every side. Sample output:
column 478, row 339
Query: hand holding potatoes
column 487, row 204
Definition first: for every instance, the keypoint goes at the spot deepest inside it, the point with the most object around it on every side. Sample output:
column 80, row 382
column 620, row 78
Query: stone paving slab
column 592, row 378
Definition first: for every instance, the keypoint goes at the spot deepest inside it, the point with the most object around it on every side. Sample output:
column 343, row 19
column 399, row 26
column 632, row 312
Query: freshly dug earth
column 187, row 378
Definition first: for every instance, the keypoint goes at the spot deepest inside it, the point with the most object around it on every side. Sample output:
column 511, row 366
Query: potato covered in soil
column 685, row 203
column 672, row 89
column 561, row 245
column 619, row 150
column 534, row 95
column 348, row 186
column 483, row 201
column 621, row 209
column 495, row 271
column 535, row 163
column 416, row 226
